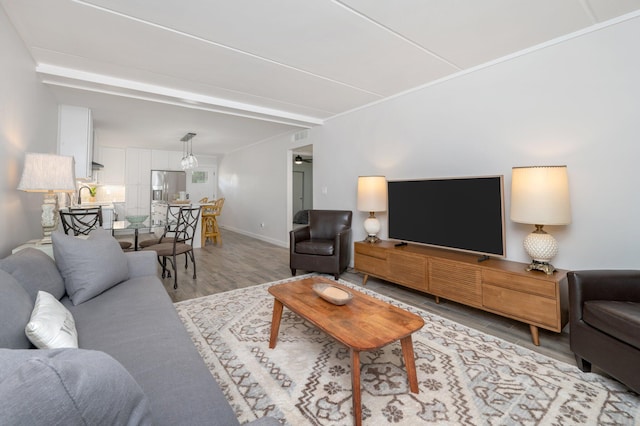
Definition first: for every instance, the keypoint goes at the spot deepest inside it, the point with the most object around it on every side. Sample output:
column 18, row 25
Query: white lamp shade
column 372, row 194
column 47, row 172
column 540, row 195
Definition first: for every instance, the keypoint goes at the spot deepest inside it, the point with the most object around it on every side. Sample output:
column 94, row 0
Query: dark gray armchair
column 324, row 245
column 604, row 321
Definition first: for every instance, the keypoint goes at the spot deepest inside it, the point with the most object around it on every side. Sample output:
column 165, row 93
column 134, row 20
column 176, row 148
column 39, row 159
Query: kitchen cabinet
column 113, row 160
column 159, row 160
column 75, row 137
column 138, row 181
column 175, row 158
column 107, row 217
column 165, row 160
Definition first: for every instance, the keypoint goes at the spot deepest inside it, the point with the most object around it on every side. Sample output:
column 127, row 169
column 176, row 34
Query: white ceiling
column 237, row 71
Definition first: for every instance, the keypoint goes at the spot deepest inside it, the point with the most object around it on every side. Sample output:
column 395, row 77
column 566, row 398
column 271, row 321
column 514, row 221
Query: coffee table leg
column 275, row 323
column 410, row 363
column 355, row 385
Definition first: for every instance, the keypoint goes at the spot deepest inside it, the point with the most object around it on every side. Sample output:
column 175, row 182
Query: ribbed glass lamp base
column 541, row 247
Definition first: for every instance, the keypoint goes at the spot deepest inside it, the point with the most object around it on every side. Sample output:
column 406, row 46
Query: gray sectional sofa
column 135, row 363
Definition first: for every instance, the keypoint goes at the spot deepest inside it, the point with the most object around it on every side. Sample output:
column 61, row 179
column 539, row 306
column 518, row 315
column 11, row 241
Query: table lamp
column 372, row 197
column 48, row 173
column 540, row 196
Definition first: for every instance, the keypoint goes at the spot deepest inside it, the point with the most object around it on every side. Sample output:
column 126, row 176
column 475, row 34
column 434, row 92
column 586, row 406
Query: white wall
column 575, row 103
column 28, row 122
column 253, row 182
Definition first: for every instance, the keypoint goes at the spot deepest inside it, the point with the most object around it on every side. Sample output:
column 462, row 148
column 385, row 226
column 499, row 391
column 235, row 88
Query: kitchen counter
column 104, row 205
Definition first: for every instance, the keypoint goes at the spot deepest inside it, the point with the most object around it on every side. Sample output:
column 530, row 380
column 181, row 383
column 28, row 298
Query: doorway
column 301, row 184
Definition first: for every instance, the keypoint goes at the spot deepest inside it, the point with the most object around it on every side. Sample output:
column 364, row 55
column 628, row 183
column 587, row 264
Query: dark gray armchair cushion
column 619, row 319
column 68, row 387
column 15, row 311
column 35, row 271
column 91, row 266
column 315, row 247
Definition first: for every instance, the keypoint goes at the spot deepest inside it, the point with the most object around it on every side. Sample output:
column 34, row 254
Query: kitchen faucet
column 80, row 192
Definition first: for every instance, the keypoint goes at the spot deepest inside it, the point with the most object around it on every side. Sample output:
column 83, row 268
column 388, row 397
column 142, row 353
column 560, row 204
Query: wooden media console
column 499, row 286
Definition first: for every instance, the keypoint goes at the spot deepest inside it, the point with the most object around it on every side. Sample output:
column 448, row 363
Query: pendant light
column 193, row 161
column 189, row 161
column 183, row 161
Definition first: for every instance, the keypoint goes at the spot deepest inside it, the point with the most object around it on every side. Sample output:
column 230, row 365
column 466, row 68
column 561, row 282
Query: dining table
column 126, row 227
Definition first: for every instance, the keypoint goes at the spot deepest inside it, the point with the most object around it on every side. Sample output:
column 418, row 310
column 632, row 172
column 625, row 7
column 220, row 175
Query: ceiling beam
column 82, row 80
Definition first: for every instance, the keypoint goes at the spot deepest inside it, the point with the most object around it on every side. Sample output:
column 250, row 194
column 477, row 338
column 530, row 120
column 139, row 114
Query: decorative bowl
column 136, row 219
column 332, row 294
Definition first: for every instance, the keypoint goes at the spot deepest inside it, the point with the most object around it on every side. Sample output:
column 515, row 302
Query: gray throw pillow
column 68, row 387
column 15, row 311
column 35, row 271
column 89, row 266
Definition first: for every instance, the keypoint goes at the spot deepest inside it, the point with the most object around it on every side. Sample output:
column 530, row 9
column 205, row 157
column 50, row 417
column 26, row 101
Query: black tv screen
column 457, row 213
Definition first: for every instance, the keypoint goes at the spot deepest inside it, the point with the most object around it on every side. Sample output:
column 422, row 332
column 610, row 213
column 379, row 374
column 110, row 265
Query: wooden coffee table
column 363, row 324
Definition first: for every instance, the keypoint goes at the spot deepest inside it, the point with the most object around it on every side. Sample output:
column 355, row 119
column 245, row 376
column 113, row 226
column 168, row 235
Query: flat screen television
column 460, row 213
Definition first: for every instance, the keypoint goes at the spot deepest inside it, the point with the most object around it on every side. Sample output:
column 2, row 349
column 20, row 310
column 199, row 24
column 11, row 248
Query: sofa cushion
column 51, row 325
column 89, row 266
column 35, row 271
column 136, row 323
column 315, row 247
column 15, row 309
column 68, row 387
column 615, row 318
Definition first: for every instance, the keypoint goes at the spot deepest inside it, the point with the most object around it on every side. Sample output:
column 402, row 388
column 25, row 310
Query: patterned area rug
column 465, row 376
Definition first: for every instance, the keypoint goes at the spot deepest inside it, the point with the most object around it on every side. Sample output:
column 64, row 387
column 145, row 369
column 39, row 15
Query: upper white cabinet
column 165, row 160
column 75, row 137
column 175, row 157
column 159, row 160
column 114, row 161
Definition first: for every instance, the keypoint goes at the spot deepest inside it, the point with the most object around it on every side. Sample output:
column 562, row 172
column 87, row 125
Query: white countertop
column 104, row 205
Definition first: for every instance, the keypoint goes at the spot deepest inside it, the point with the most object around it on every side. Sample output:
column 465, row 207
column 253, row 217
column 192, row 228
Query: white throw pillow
column 51, row 325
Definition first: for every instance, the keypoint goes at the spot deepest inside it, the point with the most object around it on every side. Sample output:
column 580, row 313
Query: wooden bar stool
column 210, row 230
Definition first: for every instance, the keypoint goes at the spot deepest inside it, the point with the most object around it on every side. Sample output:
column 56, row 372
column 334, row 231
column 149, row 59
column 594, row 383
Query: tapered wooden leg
column 535, row 335
column 364, row 279
column 410, row 363
column 275, row 323
column 355, row 385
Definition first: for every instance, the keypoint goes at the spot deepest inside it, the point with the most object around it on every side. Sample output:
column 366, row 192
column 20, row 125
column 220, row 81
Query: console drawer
column 371, row 250
column 371, row 265
column 529, row 308
column 520, row 283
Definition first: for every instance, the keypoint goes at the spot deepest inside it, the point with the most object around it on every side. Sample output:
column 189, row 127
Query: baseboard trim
column 284, row 244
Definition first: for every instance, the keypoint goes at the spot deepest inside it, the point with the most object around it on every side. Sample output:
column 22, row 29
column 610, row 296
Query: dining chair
column 182, row 243
column 210, row 229
column 170, row 220
column 81, row 221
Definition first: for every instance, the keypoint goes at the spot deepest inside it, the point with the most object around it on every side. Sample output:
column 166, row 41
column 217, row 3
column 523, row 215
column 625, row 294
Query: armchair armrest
column 297, row 235
column 343, row 239
column 621, row 285
column 141, row 263
column 342, row 245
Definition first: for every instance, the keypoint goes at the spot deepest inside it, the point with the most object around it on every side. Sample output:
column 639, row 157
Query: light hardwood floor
column 243, row 261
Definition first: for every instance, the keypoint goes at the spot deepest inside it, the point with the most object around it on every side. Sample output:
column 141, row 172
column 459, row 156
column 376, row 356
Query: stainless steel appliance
column 166, row 187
